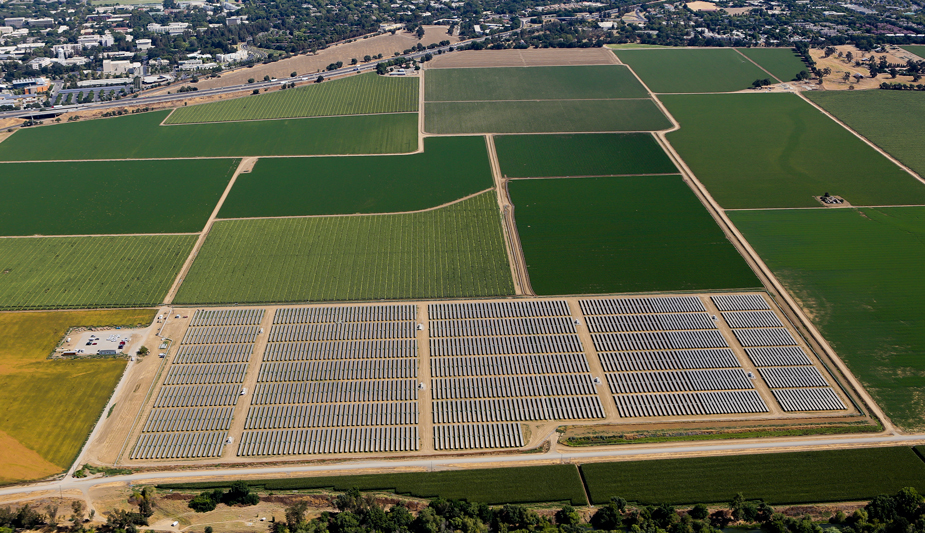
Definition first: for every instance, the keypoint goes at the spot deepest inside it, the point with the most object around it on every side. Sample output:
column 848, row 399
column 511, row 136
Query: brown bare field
column 18, row 462
column 836, row 82
column 385, row 44
column 538, row 57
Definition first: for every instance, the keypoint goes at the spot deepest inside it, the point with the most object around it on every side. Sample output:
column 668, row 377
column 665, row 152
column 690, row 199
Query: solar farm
column 438, row 377
column 477, row 259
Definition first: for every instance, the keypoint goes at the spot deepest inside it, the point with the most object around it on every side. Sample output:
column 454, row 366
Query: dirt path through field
column 866, row 141
column 515, row 253
column 425, row 395
column 789, row 306
column 759, row 66
column 536, row 57
column 246, row 165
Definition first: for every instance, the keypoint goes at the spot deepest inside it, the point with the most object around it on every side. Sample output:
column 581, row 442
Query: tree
column 250, row 80
column 142, row 351
column 847, row 77
column 295, row 515
column 293, row 74
column 567, row 516
column 266, row 78
column 381, row 69
column 208, row 529
column 319, row 79
column 52, row 515
column 353, row 61
column 77, row 507
column 894, row 72
column 240, row 493
column 699, row 512
column 420, row 32
column 367, row 59
column 829, row 50
column 849, row 57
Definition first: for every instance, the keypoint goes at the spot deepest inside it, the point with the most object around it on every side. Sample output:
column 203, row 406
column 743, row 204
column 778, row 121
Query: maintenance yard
column 444, row 377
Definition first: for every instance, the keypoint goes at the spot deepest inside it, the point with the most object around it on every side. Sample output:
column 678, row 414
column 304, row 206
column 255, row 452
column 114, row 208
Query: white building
column 143, row 44
column 235, row 21
column 174, row 28
column 235, row 57
column 120, row 67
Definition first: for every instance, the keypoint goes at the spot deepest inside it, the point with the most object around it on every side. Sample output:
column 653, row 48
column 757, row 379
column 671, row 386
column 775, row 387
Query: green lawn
column 454, row 251
column 84, row 272
column 531, row 83
column 689, row 70
column 107, row 197
column 356, row 95
column 531, row 484
column 883, row 117
column 775, row 150
column 448, row 169
column 778, row 478
column 605, row 154
column 858, row 273
column 140, row 137
column 50, row 406
column 543, row 116
column 783, row 63
column 626, row 234
column 918, row 50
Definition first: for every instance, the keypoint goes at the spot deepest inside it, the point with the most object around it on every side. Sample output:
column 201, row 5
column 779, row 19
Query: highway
column 142, row 100
column 665, row 450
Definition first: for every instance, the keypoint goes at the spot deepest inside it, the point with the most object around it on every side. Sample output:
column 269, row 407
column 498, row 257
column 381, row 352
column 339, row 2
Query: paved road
column 143, row 100
column 670, row 449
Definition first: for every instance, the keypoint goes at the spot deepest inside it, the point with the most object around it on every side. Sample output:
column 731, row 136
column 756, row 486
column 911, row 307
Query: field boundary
column 441, row 206
column 527, row 100
column 278, row 118
column 39, row 236
column 759, row 66
column 246, row 165
column 515, row 252
column 883, row 152
column 821, row 207
column 591, row 176
column 790, row 308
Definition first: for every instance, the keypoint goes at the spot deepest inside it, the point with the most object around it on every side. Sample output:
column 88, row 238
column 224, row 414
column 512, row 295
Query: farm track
column 247, row 164
column 790, row 307
column 164, row 122
column 515, row 251
column 96, row 235
column 590, row 176
column 757, row 65
column 883, row 152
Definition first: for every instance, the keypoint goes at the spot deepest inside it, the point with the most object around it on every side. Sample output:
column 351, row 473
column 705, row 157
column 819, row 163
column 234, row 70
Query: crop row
column 455, row 251
column 356, row 95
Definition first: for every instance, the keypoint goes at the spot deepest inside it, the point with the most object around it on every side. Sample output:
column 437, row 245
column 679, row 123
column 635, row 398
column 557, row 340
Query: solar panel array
column 193, row 410
column 494, row 364
column 796, row 384
column 665, row 356
column 471, row 436
column 336, row 380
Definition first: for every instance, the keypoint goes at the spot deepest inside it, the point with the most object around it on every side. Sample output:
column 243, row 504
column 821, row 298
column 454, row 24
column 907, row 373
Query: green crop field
column 543, row 116
column 531, row 83
column 453, row 251
column 141, row 137
column 689, row 70
column 605, row 154
column 778, row 478
column 531, row 484
column 449, row 169
column 883, row 118
column 858, row 274
column 108, row 197
column 918, row 50
column 83, row 272
column 50, row 407
column 775, row 150
column 783, row 63
column 626, row 234
column 356, row 95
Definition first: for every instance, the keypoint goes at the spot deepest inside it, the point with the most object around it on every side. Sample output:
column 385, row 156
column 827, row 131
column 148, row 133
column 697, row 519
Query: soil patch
column 542, row 57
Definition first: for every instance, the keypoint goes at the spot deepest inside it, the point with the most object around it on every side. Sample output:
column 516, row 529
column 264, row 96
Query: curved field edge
column 448, row 169
column 453, row 251
column 89, row 272
column 141, row 136
column 357, row 95
column 67, row 397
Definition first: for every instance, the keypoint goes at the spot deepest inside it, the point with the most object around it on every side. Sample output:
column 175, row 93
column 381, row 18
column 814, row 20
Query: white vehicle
column 175, row 524
column 229, row 440
column 243, row 391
